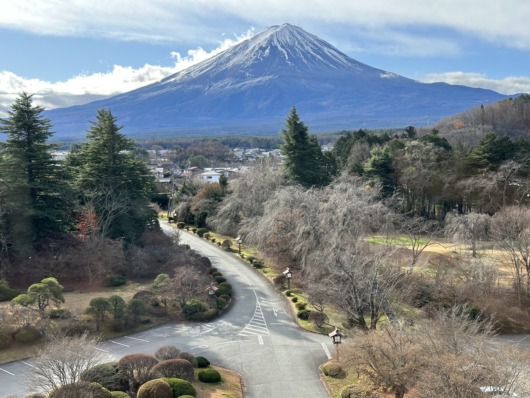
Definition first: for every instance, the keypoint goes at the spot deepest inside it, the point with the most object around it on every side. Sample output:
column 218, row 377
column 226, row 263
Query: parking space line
column 3, row 370
column 115, row 342
column 134, row 338
column 30, row 365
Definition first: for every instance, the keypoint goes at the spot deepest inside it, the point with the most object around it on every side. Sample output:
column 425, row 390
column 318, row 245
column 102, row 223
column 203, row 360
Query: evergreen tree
column 113, row 179
column 34, row 188
column 304, row 162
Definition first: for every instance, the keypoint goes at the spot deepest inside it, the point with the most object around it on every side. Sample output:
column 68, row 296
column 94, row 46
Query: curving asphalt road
column 258, row 337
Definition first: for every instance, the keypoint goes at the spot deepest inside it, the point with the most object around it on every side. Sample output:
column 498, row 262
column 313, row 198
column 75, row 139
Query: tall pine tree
column 34, row 192
column 305, row 163
column 113, row 179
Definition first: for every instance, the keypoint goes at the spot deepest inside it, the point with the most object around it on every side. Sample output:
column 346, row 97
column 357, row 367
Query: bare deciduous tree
column 62, row 360
column 187, row 283
column 469, row 228
column 511, row 228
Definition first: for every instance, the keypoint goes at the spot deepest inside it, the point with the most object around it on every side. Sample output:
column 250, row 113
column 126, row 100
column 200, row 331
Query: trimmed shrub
column 212, row 270
column 181, row 225
column 221, row 303
column 114, row 280
column 202, row 362
column 189, row 357
column 219, row 279
column 79, row 390
column 7, row 293
column 279, row 280
column 294, row 299
column 203, row 316
column 60, row 313
column 193, row 306
column 180, row 387
column 303, row 314
column 202, row 231
column 186, row 396
column 225, row 284
column 216, row 274
column 187, row 228
column 223, row 291
column 105, row 374
column 242, row 256
column 119, row 394
column 194, row 230
column 288, row 293
column 205, row 261
column 145, row 295
column 167, row 352
column 209, row 375
column 258, row 264
column 251, row 259
column 334, row 370
column 27, row 335
column 155, row 389
column 227, row 244
column 206, row 236
column 300, row 306
column 179, row 368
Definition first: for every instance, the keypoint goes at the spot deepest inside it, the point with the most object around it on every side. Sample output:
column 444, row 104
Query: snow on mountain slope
column 251, row 87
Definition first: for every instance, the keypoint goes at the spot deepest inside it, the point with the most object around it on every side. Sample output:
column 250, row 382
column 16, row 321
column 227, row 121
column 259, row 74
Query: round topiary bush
column 119, row 394
column 203, row 316
column 114, row 280
column 181, row 225
column 294, row 299
column 219, row 279
column 81, row 388
column 202, row 362
column 223, row 290
column 60, row 313
column 202, row 231
column 180, row 387
column 189, row 357
column 155, row 389
column 303, row 314
column 359, row 391
column 179, row 368
column 212, row 270
column 300, row 306
column 209, row 375
column 167, row 352
column 27, row 335
column 193, row 306
column 227, row 244
column 334, row 370
column 105, row 374
column 221, row 303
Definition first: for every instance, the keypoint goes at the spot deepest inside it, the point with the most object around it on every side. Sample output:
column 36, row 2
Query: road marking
column 260, row 340
column 115, row 342
column 3, row 370
column 199, row 346
column 134, row 338
column 257, row 325
column 30, row 365
column 275, row 313
column 328, row 354
column 101, row 349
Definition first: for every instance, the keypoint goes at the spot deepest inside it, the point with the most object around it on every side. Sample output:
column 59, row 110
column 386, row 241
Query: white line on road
column 115, row 342
column 328, row 354
column 134, row 338
column 101, row 349
column 275, row 313
column 30, row 365
column 3, row 370
column 260, row 340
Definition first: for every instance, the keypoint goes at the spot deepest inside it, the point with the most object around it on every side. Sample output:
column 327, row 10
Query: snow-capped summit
column 251, row 86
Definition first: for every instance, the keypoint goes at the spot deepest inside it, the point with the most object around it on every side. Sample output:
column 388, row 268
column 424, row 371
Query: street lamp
column 288, row 274
column 239, row 241
column 336, row 336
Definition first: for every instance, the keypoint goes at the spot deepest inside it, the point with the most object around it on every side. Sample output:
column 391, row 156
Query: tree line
column 102, row 189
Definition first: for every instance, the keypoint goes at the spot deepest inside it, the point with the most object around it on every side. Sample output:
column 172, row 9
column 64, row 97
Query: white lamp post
column 336, row 336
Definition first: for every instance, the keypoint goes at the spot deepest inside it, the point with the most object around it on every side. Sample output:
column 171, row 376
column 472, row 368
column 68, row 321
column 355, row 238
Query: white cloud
column 499, row 22
column 507, row 85
column 84, row 88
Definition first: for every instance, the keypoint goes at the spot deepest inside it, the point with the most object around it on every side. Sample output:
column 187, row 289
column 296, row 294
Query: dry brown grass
column 229, row 387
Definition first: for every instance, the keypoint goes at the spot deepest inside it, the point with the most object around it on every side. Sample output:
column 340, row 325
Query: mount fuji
column 250, row 88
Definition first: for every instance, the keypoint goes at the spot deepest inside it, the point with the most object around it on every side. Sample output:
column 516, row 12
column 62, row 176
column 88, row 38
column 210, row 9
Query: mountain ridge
column 250, row 87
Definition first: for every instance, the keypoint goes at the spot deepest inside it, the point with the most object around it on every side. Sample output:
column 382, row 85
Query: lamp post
column 288, row 274
column 239, row 242
column 336, row 336
column 212, row 288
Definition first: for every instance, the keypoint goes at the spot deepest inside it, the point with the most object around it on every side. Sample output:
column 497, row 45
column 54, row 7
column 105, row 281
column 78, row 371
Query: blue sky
column 68, row 52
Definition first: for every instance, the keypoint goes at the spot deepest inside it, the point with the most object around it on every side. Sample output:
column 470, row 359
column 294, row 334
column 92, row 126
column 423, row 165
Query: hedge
column 209, row 375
